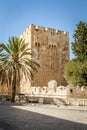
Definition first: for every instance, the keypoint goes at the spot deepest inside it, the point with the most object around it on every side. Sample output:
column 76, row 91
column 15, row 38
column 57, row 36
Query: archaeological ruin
column 50, row 48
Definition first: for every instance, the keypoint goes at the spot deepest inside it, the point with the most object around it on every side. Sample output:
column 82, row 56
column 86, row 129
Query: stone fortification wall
column 50, row 49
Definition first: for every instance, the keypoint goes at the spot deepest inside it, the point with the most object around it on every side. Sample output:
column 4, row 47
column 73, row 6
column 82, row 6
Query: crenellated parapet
column 48, row 36
column 50, row 48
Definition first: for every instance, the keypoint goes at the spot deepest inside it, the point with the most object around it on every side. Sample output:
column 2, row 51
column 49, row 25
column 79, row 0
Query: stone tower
column 50, row 49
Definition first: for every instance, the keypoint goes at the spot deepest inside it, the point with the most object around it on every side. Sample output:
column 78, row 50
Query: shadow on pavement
column 18, row 119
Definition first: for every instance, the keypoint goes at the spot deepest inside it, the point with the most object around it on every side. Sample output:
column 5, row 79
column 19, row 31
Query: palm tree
column 14, row 61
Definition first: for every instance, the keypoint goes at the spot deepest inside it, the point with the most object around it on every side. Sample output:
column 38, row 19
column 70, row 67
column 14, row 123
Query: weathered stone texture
column 50, row 49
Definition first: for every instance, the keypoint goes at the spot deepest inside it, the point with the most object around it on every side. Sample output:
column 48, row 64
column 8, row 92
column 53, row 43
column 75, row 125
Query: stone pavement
column 20, row 116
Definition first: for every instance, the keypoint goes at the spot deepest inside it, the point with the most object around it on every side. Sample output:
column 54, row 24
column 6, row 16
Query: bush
column 76, row 73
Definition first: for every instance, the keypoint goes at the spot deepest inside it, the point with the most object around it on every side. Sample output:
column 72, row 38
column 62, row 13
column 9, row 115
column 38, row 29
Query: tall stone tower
column 50, row 49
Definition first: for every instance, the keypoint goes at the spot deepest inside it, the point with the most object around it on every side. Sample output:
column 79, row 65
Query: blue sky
column 17, row 15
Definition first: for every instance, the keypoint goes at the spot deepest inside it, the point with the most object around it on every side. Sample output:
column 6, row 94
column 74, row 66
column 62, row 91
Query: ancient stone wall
column 50, row 49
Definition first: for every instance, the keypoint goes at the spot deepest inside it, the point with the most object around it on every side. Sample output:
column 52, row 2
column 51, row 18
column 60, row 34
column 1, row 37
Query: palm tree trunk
column 13, row 85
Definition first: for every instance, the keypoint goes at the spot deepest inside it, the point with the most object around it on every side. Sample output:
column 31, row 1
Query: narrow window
column 35, row 44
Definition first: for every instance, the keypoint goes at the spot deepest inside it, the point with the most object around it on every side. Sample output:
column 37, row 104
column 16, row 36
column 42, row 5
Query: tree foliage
column 76, row 70
column 76, row 73
column 79, row 46
column 14, row 62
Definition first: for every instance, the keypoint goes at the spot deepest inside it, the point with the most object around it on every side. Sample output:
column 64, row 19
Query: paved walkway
column 42, row 117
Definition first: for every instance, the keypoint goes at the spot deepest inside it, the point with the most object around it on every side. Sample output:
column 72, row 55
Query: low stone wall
column 55, row 101
column 63, row 101
column 75, row 102
column 5, row 97
column 46, row 100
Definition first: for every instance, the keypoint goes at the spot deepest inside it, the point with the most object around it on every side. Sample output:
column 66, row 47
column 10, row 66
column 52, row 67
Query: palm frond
column 4, row 47
column 16, row 55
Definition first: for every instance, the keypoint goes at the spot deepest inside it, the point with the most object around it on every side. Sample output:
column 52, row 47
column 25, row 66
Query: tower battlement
column 50, row 48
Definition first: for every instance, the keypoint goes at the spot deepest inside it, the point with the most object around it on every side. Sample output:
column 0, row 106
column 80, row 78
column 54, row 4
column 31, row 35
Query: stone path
column 42, row 117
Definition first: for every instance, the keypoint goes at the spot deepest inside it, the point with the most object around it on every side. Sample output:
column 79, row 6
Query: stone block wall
column 50, row 48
